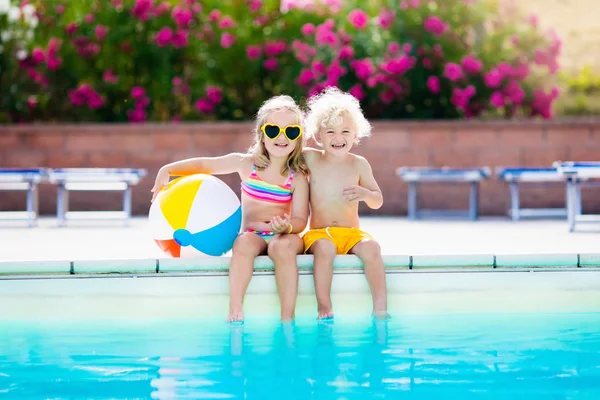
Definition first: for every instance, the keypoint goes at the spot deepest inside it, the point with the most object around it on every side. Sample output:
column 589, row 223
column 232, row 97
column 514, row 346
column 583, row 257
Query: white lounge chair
column 22, row 180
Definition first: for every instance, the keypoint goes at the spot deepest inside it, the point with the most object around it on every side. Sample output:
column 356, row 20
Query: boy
column 338, row 180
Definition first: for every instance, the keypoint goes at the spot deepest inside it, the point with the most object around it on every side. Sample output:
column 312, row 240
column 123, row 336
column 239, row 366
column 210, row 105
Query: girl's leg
column 245, row 249
column 324, row 254
column 283, row 250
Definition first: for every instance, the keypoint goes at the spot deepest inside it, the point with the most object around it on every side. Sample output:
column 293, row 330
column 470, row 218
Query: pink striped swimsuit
column 261, row 190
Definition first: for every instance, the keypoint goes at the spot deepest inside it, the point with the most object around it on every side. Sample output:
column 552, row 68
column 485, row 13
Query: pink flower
column 398, row 65
column 180, row 38
column 406, row 48
column 162, row 8
column 335, row 71
column 71, row 28
column 515, row 93
column 164, row 36
column 141, row 9
column 89, row 18
column 137, row 115
column 363, row 68
column 214, row 94
column 308, row 29
column 60, row 9
column 497, row 99
column 226, row 22
column 433, row 84
column 460, row 97
column 138, row 92
column 471, row 65
column 521, row 71
column 542, row 102
column 358, row 18
column 253, row 52
column 427, row 63
column 95, row 101
column 54, row 63
column 305, row 77
column 435, row 25
column 214, row 15
column 415, row 3
column 204, row 105
column 346, row 53
column 453, row 72
column 318, row 68
column 182, row 17
column 386, row 19
column 274, row 48
column 227, row 40
column 387, row 96
column 32, row 101
column 177, row 81
column 254, row 5
column 110, row 77
column 324, row 35
column 403, row 5
column 505, row 69
column 271, row 64
column 493, row 79
column 357, row 91
column 37, row 55
column 101, row 32
column 393, row 48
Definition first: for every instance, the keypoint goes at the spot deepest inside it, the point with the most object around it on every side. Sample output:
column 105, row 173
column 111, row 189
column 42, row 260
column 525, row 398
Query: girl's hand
column 161, row 181
column 280, row 225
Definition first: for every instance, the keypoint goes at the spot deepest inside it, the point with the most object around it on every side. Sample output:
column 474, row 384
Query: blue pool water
column 526, row 356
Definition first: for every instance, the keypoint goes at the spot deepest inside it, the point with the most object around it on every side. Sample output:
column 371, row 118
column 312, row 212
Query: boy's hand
column 261, row 161
column 355, row 193
column 162, row 180
column 280, row 225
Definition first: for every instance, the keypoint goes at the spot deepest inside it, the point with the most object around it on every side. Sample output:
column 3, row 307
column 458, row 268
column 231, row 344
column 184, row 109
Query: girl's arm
column 222, row 165
column 299, row 217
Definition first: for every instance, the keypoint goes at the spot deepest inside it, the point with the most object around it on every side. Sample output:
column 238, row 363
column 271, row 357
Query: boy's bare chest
column 332, row 179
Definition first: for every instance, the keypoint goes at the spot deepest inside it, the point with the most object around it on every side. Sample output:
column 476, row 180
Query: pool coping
column 263, row 264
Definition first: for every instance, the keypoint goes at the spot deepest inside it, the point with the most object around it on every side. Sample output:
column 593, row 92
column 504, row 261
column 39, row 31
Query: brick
column 595, row 137
column 431, row 138
column 135, row 142
column 110, row 160
column 25, row 159
column 86, row 141
column 493, row 157
column 521, row 138
column 456, row 158
column 68, row 160
column 177, row 140
column 10, row 140
column 544, row 157
column 584, row 154
column 409, row 158
column 40, row 140
column 478, row 138
column 568, row 136
column 384, row 139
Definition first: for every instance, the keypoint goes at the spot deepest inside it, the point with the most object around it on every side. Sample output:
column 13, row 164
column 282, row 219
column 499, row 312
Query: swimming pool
column 480, row 330
column 416, row 356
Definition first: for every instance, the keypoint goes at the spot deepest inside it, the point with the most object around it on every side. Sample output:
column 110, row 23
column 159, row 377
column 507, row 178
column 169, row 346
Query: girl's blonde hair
column 327, row 108
column 295, row 161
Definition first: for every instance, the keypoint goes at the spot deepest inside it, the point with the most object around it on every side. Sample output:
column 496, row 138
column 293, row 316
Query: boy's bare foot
column 325, row 315
column 381, row 315
column 235, row 316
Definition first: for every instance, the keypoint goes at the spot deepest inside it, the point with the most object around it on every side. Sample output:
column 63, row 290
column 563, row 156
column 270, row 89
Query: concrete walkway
column 110, row 240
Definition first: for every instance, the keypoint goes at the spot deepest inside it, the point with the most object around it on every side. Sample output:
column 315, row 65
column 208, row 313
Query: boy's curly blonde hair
column 327, row 108
column 295, row 161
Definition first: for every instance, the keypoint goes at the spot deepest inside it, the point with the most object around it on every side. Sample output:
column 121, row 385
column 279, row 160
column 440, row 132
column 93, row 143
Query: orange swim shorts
column 343, row 238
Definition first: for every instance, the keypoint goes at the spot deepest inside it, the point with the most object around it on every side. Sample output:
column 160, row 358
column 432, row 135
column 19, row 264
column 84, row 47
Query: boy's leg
column 370, row 254
column 246, row 248
column 283, row 250
column 324, row 252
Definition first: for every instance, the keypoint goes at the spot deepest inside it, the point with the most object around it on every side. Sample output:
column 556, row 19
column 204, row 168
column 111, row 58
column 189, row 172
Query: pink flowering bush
column 174, row 60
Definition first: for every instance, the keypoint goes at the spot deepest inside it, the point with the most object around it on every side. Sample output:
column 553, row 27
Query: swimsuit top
column 256, row 188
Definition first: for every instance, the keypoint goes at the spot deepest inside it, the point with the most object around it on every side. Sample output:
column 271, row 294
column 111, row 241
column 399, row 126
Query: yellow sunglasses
column 272, row 131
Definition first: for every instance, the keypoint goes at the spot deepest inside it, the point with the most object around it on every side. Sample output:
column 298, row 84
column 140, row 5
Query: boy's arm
column 372, row 195
column 299, row 217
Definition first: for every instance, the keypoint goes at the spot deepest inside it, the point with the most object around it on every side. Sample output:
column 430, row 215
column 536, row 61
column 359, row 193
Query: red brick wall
column 393, row 144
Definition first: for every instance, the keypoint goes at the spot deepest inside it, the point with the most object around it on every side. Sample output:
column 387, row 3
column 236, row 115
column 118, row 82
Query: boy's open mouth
column 338, row 145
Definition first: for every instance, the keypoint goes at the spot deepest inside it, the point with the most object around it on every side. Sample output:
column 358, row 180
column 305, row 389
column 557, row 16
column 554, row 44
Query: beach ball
column 196, row 215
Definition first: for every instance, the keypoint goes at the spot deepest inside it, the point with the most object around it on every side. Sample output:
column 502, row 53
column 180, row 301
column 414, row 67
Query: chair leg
column 31, row 206
column 412, row 200
column 61, row 204
column 474, row 201
column 571, row 204
column 127, row 204
column 514, row 201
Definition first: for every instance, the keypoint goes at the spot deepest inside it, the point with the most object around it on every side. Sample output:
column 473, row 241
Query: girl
column 274, row 201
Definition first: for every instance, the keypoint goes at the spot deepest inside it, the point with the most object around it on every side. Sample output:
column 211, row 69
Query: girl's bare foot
column 235, row 316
